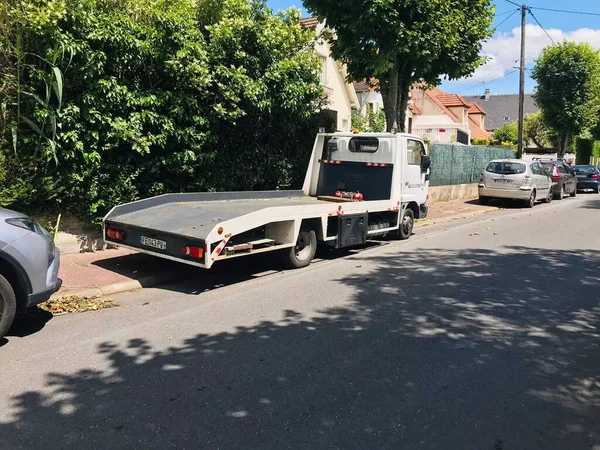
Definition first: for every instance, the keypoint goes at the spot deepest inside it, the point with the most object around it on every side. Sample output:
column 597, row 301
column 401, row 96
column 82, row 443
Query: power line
column 513, row 13
column 585, row 13
column 487, row 81
column 541, row 26
column 504, row 13
column 513, row 3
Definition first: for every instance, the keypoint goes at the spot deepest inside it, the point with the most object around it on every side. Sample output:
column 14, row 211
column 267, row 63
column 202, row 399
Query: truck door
column 417, row 180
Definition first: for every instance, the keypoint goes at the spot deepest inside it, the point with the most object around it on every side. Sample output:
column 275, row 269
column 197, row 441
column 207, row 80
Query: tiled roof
column 476, row 109
column 450, row 100
column 499, row 107
column 364, row 86
column 433, row 94
column 477, row 132
column 415, row 109
column 309, row 22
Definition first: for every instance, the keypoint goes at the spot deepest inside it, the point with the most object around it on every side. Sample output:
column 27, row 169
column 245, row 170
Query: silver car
column 29, row 264
column 517, row 180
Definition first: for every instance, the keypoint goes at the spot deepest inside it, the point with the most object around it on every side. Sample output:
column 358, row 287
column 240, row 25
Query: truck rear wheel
column 302, row 254
column 8, row 306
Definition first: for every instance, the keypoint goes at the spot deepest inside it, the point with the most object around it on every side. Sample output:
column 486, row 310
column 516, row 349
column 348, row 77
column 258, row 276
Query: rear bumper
column 521, row 193
column 592, row 184
column 53, row 283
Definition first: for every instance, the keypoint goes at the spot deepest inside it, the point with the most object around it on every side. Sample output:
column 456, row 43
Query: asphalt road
column 479, row 334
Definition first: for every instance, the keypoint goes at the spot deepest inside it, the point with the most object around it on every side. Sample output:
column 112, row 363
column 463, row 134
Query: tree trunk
column 564, row 144
column 388, row 86
column 403, row 97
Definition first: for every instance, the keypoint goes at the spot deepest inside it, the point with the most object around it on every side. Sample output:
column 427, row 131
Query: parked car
column 563, row 177
column 588, row 178
column 515, row 179
column 29, row 264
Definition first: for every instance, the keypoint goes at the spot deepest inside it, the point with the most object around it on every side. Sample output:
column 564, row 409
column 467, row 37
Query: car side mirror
column 425, row 163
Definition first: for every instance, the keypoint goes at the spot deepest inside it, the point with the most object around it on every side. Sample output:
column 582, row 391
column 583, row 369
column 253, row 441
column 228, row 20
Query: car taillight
column 555, row 174
column 481, row 178
column 193, row 251
column 526, row 181
column 595, row 176
column 113, row 233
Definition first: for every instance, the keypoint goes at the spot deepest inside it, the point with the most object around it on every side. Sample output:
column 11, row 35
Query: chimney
column 486, row 96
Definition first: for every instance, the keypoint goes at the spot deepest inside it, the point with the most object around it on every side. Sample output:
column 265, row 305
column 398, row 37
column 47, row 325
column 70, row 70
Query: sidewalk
column 111, row 271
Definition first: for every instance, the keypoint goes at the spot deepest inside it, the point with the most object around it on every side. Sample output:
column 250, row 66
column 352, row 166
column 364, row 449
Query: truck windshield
column 506, row 168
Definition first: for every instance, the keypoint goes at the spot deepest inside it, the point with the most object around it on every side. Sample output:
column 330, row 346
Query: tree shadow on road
column 436, row 349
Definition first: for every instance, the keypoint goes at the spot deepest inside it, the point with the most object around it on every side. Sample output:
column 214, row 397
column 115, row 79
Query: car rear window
column 584, row 170
column 506, row 168
column 549, row 167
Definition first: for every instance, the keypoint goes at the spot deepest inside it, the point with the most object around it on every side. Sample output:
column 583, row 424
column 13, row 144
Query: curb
column 466, row 215
column 118, row 288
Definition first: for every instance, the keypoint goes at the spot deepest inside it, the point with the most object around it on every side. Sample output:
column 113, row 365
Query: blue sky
column 503, row 48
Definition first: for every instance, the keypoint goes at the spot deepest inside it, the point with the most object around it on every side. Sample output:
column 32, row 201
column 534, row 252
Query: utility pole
column 522, row 83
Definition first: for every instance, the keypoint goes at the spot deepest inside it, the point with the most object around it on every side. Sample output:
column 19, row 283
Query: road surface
column 479, row 334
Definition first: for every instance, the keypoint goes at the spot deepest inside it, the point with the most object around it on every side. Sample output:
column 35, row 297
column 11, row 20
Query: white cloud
column 504, row 49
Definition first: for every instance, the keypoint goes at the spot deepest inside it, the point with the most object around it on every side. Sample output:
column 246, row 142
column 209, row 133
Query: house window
column 323, row 70
column 369, row 107
column 506, row 118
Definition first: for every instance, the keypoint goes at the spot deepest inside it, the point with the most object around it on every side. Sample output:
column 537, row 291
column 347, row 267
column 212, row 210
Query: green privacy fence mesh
column 461, row 164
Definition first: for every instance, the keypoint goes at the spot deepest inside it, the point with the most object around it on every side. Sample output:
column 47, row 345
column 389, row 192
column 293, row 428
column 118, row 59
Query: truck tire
column 302, row 254
column 406, row 224
column 8, row 306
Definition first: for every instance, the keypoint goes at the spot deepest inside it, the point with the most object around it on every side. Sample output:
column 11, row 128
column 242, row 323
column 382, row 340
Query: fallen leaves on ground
column 71, row 304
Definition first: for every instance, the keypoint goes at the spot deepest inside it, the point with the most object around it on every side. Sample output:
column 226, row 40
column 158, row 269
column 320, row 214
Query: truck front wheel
column 406, row 224
column 302, row 254
column 8, row 306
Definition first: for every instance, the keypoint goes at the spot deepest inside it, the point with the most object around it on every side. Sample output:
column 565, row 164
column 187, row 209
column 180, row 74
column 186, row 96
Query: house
column 502, row 108
column 370, row 100
column 340, row 95
column 445, row 118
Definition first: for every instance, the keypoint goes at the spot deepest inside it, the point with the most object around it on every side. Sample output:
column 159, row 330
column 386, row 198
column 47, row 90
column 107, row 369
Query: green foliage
column 537, row 132
column 400, row 43
column 155, row 97
column 372, row 122
column 584, row 149
column 481, row 141
column 508, row 133
column 568, row 77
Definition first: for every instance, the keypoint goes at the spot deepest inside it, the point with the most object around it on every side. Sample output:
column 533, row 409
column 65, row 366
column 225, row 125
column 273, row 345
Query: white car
column 517, row 180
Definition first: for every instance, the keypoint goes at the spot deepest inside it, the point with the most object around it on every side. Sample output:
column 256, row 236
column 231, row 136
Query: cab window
column 415, row 151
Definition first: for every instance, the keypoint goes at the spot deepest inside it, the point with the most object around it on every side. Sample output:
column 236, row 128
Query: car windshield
column 584, row 170
column 505, row 168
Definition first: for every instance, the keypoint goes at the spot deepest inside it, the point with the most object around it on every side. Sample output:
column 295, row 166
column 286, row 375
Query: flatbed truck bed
column 203, row 228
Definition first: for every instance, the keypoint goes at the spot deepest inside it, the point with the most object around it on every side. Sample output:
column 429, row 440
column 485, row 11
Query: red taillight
column 115, row 234
column 192, row 251
column 595, row 176
column 555, row 174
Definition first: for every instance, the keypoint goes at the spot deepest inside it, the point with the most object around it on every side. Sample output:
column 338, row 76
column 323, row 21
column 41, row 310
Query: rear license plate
column 154, row 243
column 500, row 180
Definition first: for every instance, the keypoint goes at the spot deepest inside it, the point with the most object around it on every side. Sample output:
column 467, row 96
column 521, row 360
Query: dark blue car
column 588, row 178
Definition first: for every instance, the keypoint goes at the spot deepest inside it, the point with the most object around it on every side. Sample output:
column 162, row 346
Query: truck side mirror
column 425, row 163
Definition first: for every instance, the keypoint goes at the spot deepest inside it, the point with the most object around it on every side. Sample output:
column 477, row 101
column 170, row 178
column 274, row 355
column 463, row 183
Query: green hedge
column 461, row 164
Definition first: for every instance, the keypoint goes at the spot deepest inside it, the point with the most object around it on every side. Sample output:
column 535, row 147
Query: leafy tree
column 568, row 92
column 403, row 42
column 159, row 96
column 537, row 132
column 508, row 133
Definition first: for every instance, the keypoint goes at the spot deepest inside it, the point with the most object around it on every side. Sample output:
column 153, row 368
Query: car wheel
column 597, row 190
column 406, row 224
column 560, row 194
column 574, row 193
column 484, row 200
column 302, row 254
column 529, row 203
column 8, row 306
column 549, row 196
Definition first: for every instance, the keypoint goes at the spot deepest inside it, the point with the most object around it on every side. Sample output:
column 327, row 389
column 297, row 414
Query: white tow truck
column 357, row 186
